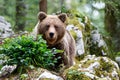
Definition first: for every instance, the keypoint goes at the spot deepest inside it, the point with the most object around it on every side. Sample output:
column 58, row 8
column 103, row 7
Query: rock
column 79, row 42
column 117, row 59
column 49, row 76
column 35, row 74
column 2, row 58
column 98, row 45
column 5, row 28
column 7, row 70
column 94, row 68
column 78, row 38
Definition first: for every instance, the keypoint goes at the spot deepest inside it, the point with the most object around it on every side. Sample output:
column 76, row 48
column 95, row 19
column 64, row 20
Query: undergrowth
column 24, row 51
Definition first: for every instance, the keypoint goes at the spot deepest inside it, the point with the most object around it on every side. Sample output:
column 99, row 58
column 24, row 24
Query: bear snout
column 51, row 37
column 51, row 34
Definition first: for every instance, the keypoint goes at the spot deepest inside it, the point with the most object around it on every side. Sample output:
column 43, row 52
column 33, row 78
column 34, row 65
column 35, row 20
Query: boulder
column 117, row 59
column 5, row 28
column 7, row 70
column 78, row 36
column 94, row 68
column 47, row 75
column 97, row 45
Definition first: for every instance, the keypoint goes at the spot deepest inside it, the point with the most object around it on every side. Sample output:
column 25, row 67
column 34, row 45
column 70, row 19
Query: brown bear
column 53, row 29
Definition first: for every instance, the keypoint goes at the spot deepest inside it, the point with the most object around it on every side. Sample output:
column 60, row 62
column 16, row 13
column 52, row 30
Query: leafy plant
column 24, row 51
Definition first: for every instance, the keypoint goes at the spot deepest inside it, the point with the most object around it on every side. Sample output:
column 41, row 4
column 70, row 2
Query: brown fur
column 61, row 38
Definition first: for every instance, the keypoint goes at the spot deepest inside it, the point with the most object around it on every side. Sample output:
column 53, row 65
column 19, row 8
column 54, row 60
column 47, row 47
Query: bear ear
column 62, row 17
column 42, row 15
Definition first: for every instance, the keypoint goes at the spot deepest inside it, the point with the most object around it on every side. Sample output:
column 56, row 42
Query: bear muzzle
column 51, row 35
column 51, row 41
column 51, row 38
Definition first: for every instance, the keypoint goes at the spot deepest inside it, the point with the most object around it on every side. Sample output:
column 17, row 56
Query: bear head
column 52, row 27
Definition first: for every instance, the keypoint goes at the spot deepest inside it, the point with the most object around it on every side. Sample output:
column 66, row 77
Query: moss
column 73, row 34
column 100, row 72
column 75, row 22
column 98, row 51
column 73, row 73
column 86, row 64
column 46, row 79
column 114, row 79
column 75, row 67
column 101, row 79
column 79, row 58
column 107, row 66
column 76, row 75
column 118, row 71
column 104, row 69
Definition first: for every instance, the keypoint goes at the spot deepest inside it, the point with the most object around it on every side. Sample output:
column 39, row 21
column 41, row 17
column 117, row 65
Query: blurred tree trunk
column 61, row 3
column 20, row 15
column 6, row 2
column 112, row 22
column 43, row 5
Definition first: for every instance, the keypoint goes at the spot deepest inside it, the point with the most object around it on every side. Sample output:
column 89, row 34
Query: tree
column 112, row 21
column 20, row 15
column 43, row 5
column 5, row 4
column 61, row 3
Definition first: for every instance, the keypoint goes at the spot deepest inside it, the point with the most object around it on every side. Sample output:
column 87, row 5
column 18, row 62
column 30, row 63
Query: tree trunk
column 43, row 6
column 61, row 3
column 112, row 22
column 20, row 15
column 6, row 2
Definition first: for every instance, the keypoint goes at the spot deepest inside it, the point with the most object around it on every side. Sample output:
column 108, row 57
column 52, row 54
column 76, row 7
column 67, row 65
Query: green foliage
column 24, row 51
column 23, row 76
column 118, row 54
column 99, row 51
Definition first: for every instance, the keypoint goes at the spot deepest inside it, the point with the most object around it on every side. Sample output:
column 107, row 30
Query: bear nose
column 51, row 34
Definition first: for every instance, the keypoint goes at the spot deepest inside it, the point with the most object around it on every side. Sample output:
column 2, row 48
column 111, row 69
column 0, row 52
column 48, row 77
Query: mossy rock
column 76, row 75
column 93, row 68
column 46, row 79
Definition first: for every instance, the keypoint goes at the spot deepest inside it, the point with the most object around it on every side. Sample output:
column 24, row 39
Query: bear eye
column 56, row 26
column 47, row 26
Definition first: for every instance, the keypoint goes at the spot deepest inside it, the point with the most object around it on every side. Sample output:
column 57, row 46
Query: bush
column 25, row 51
